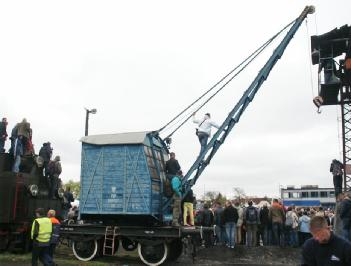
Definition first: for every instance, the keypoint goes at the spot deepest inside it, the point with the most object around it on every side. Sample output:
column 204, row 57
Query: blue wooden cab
column 123, row 177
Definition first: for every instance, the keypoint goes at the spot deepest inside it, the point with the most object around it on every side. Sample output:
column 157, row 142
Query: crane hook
column 318, row 101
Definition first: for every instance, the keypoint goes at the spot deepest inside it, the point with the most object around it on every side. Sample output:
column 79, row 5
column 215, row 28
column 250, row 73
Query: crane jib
column 234, row 116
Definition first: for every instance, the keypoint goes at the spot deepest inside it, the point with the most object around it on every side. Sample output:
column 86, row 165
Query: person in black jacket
column 172, row 166
column 46, row 153
column 67, row 202
column 219, row 225
column 251, row 218
column 230, row 217
column 336, row 168
column 325, row 248
column 207, row 221
column 266, row 225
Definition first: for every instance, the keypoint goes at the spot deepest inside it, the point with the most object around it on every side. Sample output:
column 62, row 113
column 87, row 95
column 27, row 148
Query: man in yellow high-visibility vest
column 41, row 234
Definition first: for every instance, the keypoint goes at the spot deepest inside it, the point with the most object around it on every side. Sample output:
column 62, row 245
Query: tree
column 239, row 194
column 221, row 199
column 75, row 188
column 214, row 196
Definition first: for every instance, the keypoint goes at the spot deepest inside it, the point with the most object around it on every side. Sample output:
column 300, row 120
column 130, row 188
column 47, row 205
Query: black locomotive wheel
column 85, row 250
column 153, row 255
column 128, row 244
column 175, row 249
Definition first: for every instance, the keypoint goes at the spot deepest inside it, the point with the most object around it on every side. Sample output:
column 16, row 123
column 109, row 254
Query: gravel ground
column 241, row 255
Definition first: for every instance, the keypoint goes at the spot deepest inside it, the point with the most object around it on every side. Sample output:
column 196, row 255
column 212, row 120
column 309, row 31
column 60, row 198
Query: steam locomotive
column 20, row 194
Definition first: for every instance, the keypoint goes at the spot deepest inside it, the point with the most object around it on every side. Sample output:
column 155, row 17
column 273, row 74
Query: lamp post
column 91, row 111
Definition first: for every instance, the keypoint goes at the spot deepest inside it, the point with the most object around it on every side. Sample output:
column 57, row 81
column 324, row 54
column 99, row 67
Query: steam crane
column 233, row 117
column 334, row 80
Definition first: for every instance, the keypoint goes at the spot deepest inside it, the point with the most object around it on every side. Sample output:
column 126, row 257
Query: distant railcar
column 20, row 195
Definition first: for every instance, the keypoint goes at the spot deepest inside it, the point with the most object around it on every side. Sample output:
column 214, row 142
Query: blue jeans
column 294, row 240
column 278, row 234
column 16, row 164
column 291, row 236
column 251, row 235
column 230, row 229
column 267, row 235
column 203, row 137
column 221, row 234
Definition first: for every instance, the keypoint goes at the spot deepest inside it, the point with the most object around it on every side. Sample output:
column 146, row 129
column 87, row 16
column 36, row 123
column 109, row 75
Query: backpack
column 289, row 219
column 251, row 215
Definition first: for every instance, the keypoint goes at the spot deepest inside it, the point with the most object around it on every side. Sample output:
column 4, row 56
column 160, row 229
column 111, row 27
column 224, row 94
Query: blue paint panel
column 115, row 179
column 304, row 203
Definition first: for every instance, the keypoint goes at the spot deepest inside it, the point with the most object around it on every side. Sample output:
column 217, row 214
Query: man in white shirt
column 204, row 129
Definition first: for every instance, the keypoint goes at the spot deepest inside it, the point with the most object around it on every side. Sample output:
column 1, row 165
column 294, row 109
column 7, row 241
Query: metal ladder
column 110, row 240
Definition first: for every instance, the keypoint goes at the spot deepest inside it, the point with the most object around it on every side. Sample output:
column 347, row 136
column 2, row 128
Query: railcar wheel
column 153, row 255
column 129, row 245
column 85, row 250
column 175, row 250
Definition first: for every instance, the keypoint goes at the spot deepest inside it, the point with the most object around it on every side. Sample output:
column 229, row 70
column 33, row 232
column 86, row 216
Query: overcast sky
column 141, row 62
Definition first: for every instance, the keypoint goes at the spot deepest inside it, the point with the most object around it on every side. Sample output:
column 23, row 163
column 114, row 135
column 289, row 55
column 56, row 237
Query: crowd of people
column 248, row 225
column 240, row 223
column 21, row 145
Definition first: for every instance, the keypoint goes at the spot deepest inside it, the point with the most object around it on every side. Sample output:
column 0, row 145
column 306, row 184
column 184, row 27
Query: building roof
column 113, row 139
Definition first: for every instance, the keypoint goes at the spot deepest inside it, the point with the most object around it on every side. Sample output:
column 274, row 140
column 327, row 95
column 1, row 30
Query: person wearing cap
column 203, row 131
column 55, row 233
column 41, row 234
column 3, row 134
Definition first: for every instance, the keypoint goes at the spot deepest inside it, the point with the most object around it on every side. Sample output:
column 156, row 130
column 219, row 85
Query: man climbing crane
column 203, row 131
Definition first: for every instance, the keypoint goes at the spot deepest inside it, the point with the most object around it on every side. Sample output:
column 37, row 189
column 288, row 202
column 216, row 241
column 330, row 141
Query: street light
column 91, row 111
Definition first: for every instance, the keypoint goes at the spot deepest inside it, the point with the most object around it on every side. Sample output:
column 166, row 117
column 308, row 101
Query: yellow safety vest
column 45, row 229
